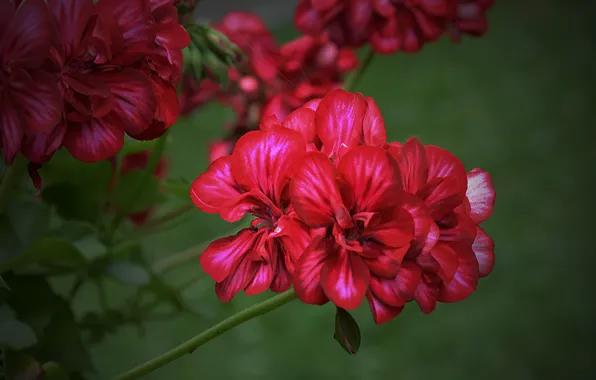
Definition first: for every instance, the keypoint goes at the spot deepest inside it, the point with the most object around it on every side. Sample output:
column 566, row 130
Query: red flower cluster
column 273, row 79
column 391, row 25
column 82, row 73
column 343, row 215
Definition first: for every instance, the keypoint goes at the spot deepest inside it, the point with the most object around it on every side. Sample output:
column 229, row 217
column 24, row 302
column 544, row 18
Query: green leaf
column 72, row 202
column 347, row 331
column 129, row 273
column 6, row 313
column 3, row 284
column 29, row 219
column 53, row 371
column 164, row 292
column 94, row 177
column 91, row 247
column 46, row 251
column 10, row 244
column 177, row 189
column 74, row 230
column 133, row 147
column 16, row 335
column 127, row 197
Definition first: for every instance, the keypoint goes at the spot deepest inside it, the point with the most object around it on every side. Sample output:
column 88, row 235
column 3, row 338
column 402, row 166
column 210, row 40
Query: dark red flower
column 253, row 180
column 390, row 25
column 29, row 96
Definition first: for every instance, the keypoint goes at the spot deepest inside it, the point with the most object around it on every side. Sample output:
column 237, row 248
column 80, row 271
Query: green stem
column 192, row 344
column 11, row 180
column 354, row 79
column 147, row 173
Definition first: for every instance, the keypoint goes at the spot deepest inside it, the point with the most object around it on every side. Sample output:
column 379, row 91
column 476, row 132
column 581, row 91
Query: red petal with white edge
column 11, row 132
column 345, row 279
column 374, row 132
column 223, row 255
column 315, row 194
column 395, row 228
column 215, row 187
column 426, row 297
column 237, row 280
column 303, row 121
column 307, row 275
column 481, row 195
column 447, row 259
column 134, row 99
column 40, row 101
column 426, row 231
column 484, row 248
column 465, row 279
column 312, row 104
column 381, row 312
column 413, row 165
column 450, row 192
column 26, row 40
column 94, row 140
column 264, row 160
column 373, row 176
column 339, row 121
column 71, row 19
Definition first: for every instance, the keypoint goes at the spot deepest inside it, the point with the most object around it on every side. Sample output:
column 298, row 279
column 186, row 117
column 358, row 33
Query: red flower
column 29, row 97
column 253, row 180
column 388, row 25
column 139, row 161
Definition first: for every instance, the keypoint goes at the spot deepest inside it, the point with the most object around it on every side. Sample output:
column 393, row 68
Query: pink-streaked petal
column 484, row 249
column 447, row 259
column 40, row 101
column 262, row 279
column 383, row 266
column 426, row 231
column 282, row 280
column 238, row 280
column 39, row 147
column 426, row 297
column 381, row 312
column 345, row 279
column 373, row 176
column 264, row 160
column 303, row 121
column 413, row 165
column 215, row 187
column 465, row 279
column 315, row 194
column 11, row 131
column 293, row 237
column 134, row 99
column 394, row 229
column 223, row 255
column 400, row 289
column 373, row 131
column 481, row 195
column 71, row 19
column 94, row 140
column 26, row 40
column 339, row 119
column 442, row 196
column 307, row 275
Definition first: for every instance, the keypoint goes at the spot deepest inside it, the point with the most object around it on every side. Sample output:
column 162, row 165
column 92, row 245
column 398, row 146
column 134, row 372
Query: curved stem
column 354, row 79
column 10, row 180
column 209, row 334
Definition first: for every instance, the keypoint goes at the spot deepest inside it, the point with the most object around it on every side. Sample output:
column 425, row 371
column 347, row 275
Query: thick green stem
column 354, row 79
column 207, row 335
column 11, row 180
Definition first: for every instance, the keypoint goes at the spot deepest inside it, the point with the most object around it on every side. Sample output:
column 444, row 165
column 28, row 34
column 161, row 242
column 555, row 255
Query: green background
column 516, row 103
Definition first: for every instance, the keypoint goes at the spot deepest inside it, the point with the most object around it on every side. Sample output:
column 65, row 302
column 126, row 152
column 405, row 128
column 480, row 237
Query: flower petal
column 457, row 226
column 413, row 165
column 237, row 280
column 400, row 289
column 345, row 279
column 262, row 278
column 373, row 176
column 426, row 231
column 465, row 279
column 481, row 195
column 71, row 20
column 426, row 297
column 381, row 312
column 223, row 255
column 315, row 194
column 264, row 160
column 40, row 101
column 307, row 275
column 40, row 147
column 11, row 131
column 374, row 132
column 447, row 259
column 484, row 249
column 382, row 265
column 395, row 228
column 94, row 140
column 339, row 119
column 303, row 121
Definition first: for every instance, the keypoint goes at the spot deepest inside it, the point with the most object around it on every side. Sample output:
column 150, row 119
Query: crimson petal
column 447, row 259
column 382, row 312
column 94, row 140
column 71, row 19
column 374, row 132
column 345, row 279
column 40, row 100
column 413, row 165
column 465, row 279
column 303, row 121
column 237, row 280
column 307, row 275
column 481, row 195
column 11, row 132
column 426, row 297
column 484, row 249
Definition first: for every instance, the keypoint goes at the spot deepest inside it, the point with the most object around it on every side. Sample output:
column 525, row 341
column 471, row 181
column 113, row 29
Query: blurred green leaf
column 16, row 335
column 177, row 189
column 46, row 251
column 134, row 146
column 3, row 284
column 347, row 331
column 91, row 247
column 74, row 230
column 53, row 371
column 72, row 201
column 92, row 177
column 129, row 273
column 6, row 313
column 128, row 199
column 10, row 244
column 22, row 367
column 30, row 219
column 164, row 292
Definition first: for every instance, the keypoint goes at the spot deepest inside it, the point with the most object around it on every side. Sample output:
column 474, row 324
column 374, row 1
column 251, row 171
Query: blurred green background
column 516, row 103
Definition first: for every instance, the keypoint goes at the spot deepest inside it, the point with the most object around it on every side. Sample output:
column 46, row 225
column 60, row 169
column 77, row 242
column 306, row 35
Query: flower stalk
column 192, row 344
column 354, row 79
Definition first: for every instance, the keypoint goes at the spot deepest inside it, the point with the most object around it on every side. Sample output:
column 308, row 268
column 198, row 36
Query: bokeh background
column 516, row 103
